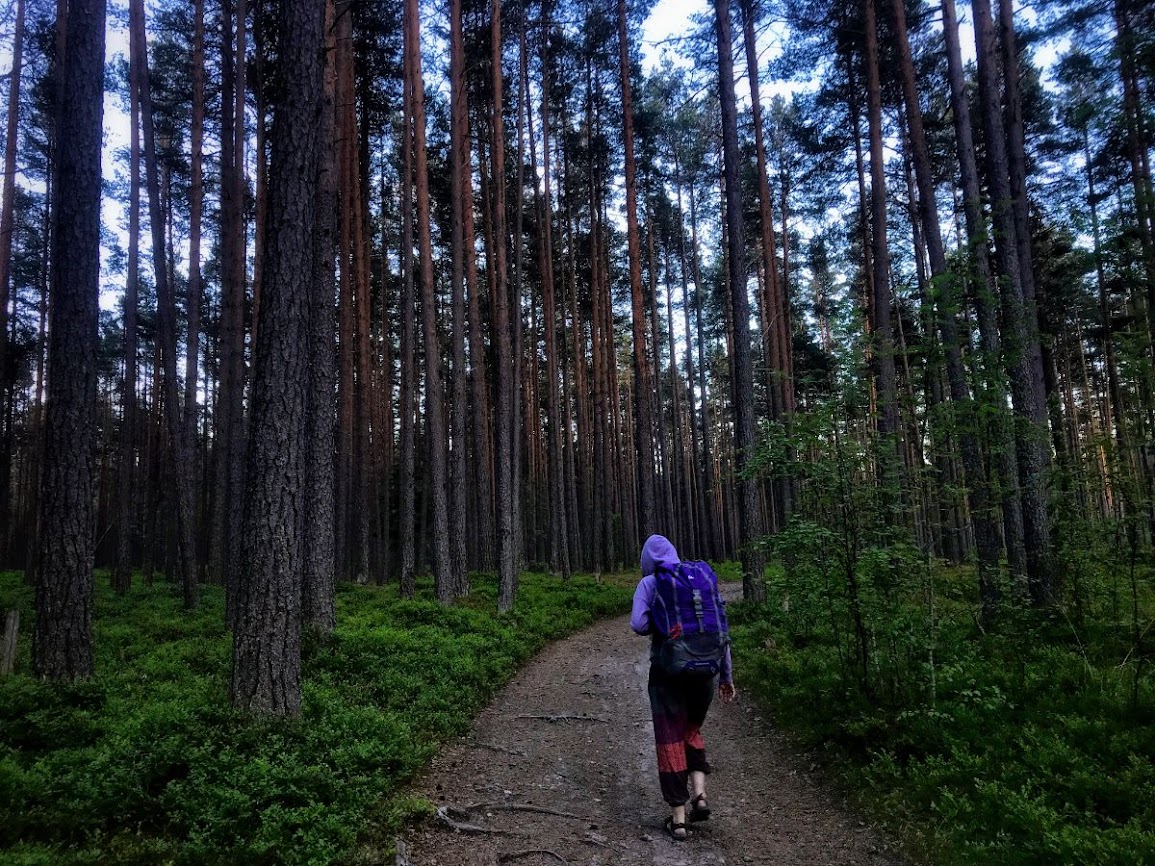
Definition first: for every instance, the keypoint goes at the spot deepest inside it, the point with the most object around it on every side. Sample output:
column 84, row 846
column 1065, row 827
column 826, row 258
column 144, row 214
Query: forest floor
column 561, row 769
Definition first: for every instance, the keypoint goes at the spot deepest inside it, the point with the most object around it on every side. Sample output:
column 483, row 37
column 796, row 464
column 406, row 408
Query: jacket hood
column 657, row 553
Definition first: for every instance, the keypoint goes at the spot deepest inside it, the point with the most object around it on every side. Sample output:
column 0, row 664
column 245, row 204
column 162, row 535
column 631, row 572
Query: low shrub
column 1027, row 743
column 147, row 763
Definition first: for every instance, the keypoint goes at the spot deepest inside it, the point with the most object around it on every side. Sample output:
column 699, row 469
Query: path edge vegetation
column 147, row 763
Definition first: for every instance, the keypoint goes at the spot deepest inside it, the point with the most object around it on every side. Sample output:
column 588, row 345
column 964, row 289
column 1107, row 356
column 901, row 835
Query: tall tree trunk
column 749, row 507
column 355, row 265
column 1020, row 327
column 319, row 569
column 699, row 506
column 62, row 634
column 350, row 514
column 478, row 372
column 888, row 422
column 7, row 212
column 776, row 326
column 407, row 315
column 1000, row 436
column 1126, row 45
column 446, row 581
column 229, row 441
column 558, row 511
column 266, row 640
column 460, row 174
column 126, row 500
column 195, row 289
column 979, row 494
column 643, row 386
column 166, row 325
column 714, row 517
column 506, row 490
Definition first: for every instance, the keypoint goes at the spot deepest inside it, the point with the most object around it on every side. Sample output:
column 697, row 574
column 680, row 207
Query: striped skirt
column 678, row 705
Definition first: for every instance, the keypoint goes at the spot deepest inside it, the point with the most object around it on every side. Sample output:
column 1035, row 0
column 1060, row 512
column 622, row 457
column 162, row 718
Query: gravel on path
column 561, row 769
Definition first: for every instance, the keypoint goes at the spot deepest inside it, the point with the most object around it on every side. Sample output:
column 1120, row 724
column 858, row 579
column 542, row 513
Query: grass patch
column 147, row 763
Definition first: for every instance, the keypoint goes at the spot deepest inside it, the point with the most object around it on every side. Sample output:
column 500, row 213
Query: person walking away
column 679, row 606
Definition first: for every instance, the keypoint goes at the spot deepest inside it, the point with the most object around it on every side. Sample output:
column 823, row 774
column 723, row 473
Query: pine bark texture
column 62, row 635
column 506, row 490
column 319, row 573
column 266, row 640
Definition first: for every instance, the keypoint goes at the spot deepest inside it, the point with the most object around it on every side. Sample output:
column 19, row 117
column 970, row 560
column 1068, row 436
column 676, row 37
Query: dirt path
column 560, row 770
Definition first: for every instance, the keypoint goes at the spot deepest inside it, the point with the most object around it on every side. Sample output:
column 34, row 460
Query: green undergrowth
column 1027, row 743
column 148, row 764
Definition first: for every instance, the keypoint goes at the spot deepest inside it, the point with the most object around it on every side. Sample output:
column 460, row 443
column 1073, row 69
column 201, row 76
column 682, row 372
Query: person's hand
column 727, row 693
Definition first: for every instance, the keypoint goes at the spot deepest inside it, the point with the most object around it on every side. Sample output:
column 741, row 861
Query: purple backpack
column 690, row 616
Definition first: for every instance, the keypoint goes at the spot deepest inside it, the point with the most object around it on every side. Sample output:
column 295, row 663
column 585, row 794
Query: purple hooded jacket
column 657, row 553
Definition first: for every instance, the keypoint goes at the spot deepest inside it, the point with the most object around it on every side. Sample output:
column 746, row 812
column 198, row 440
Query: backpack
column 690, row 618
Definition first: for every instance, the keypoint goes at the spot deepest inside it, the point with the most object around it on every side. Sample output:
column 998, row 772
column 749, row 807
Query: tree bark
column 749, row 507
column 643, row 386
column 266, row 641
column 195, row 287
column 6, row 219
column 62, row 634
column 166, row 326
column 1000, row 437
column 407, row 315
column 319, row 571
column 558, row 511
column 1020, row 327
column 229, row 444
column 506, row 490
column 460, row 174
column 126, row 500
column 882, row 300
column 979, row 494
column 444, row 578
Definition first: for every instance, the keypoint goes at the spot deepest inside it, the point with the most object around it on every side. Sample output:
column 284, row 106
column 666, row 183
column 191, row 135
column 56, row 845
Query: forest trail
column 560, row 769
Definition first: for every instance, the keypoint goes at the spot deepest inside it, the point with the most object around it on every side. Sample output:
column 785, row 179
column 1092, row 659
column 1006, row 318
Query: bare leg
column 697, row 784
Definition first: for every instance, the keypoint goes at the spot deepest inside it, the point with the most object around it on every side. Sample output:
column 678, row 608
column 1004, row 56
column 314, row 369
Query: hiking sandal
column 699, row 811
column 675, row 829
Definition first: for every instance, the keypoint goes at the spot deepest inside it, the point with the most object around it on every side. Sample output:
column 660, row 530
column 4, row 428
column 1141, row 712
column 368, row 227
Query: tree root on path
column 515, row 855
column 522, row 807
column 443, row 817
column 565, row 717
